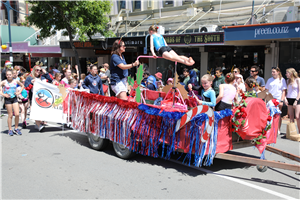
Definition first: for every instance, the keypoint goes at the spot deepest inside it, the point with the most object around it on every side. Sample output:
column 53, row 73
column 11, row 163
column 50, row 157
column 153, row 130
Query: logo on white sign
column 271, row 31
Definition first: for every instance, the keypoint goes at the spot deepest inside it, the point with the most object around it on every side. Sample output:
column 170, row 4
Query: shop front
column 99, row 52
column 281, row 42
column 27, row 55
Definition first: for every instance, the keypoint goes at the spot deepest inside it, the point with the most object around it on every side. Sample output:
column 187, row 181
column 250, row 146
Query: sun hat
column 158, row 75
column 170, row 79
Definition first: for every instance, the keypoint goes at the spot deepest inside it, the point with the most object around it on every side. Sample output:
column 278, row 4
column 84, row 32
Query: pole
column 174, row 84
column 11, row 59
column 252, row 12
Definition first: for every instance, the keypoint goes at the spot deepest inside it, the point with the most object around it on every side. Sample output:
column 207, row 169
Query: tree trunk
column 75, row 51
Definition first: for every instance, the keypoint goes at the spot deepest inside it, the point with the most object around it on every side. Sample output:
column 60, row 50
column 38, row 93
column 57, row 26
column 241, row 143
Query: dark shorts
column 10, row 100
column 222, row 106
column 291, row 101
column 164, row 49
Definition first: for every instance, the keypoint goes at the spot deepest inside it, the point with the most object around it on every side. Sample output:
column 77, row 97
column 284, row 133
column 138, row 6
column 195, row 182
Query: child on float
column 250, row 84
column 161, row 46
column 23, row 98
column 8, row 89
column 206, row 92
column 227, row 93
column 293, row 95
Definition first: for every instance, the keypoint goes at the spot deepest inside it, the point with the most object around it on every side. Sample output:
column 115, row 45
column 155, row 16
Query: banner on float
column 47, row 102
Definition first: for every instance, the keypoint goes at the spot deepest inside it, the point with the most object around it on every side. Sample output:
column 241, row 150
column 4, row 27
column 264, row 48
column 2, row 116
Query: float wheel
column 96, row 142
column 122, row 151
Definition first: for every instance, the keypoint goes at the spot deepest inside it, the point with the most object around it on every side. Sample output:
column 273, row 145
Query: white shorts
column 120, row 87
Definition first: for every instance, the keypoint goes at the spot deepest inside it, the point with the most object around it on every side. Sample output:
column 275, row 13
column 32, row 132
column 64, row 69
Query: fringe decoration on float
column 140, row 127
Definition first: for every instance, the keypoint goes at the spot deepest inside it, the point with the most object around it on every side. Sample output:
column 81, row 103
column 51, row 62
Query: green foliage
column 139, row 74
column 130, row 80
column 84, row 18
column 139, row 78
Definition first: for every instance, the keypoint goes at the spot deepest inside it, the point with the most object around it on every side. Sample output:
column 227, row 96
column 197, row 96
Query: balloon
column 3, row 46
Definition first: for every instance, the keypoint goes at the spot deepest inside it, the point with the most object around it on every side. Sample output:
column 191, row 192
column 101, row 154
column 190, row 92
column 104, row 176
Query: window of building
column 15, row 6
column 188, row 1
column 137, row 4
column 122, row 5
column 149, row 3
column 168, row 2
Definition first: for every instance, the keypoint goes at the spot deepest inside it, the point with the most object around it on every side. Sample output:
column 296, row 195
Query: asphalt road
column 59, row 164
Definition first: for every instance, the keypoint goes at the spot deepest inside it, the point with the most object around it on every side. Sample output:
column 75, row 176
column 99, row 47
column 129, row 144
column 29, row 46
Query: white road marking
column 239, row 181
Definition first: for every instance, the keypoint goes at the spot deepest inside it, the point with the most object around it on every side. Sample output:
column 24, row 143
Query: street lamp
column 8, row 8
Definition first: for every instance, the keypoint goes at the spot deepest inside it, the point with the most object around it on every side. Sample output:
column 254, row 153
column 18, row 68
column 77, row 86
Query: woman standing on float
column 161, row 46
column 119, row 70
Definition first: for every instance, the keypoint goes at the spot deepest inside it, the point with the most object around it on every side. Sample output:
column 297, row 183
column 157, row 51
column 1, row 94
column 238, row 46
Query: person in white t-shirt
column 276, row 85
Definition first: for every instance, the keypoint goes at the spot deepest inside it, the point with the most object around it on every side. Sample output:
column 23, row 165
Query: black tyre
column 122, row 151
column 96, row 142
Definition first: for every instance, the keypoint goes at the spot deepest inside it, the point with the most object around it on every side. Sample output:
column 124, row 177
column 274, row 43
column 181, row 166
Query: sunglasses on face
column 38, row 70
column 252, row 71
column 235, row 71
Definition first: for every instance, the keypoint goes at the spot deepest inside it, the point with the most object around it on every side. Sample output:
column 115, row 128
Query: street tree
column 82, row 18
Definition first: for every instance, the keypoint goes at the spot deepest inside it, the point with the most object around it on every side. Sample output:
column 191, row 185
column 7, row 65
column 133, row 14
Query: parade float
column 199, row 133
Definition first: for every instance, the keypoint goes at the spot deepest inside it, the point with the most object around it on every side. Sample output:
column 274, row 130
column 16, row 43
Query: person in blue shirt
column 254, row 73
column 206, row 92
column 119, row 70
column 161, row 46
column 93, row 82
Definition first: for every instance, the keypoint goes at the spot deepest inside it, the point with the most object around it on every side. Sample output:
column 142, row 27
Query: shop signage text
column 208, row 38
column 280, row 30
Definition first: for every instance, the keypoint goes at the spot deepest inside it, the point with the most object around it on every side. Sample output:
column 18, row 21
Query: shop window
column 229, row 58
column 167, row 67
column 289, row 56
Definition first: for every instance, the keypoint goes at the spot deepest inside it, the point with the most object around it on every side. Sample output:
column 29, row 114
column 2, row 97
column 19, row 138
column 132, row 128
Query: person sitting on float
column 227, row 93
column 161, row 46
column 208, row 95
column 250, row 84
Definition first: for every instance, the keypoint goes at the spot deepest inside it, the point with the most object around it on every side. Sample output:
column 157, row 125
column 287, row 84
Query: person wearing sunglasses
column 254, row 73
column 36, row 73
column 119, row 70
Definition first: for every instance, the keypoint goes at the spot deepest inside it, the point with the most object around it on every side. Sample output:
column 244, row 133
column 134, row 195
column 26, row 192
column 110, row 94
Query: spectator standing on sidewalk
column 293, row 95
column 276, row 85
column 254, row 73
column 10, row 93
column 219, row 79
column 93, row 82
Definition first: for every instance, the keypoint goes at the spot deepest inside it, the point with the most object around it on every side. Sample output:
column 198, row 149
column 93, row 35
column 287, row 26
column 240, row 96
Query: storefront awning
column 261, row 34
column 25, row 47
column 18, row 34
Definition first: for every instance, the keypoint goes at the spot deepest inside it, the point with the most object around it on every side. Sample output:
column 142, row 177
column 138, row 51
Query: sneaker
column 10, row 133
column 24, row 125
column 17, row 131
column 41, row 127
